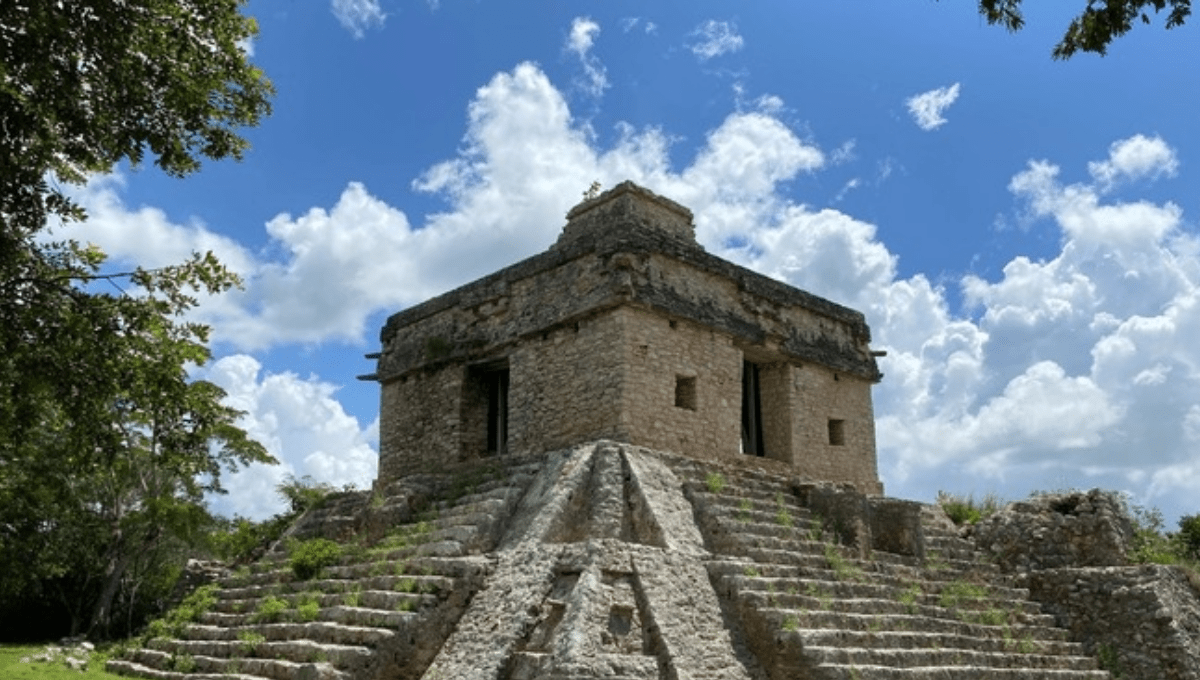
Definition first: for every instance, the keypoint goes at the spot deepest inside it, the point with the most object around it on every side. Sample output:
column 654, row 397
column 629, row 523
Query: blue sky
column 1020, row 232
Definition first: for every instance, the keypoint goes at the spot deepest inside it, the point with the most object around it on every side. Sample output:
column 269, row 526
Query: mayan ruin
column 625, row 458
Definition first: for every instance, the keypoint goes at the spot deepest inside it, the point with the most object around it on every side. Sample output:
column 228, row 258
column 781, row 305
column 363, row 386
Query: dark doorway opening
column 496, row 383
column 752, row 428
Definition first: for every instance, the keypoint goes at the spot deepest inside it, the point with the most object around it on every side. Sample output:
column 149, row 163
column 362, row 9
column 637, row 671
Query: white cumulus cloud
column 714, row 38
column 301, row 423
column 357, row 16
column 1080, row 368
column 580, row 41
column 927, row 108
column 1134, row 158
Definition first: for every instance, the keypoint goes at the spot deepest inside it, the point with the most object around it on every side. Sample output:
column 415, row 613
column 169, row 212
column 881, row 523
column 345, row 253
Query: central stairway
column 812, row 607
column 611, row 562
column 381, row 612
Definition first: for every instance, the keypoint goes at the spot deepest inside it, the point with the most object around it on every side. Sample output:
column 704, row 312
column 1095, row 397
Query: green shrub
column 715, row 482
column 248, row 641
column 308, row 606
column 189, row 610
column 308, row 558
column 184, row 663
column 965, row 509
column 1189, row 535
column 270, row 610
column 309, row 611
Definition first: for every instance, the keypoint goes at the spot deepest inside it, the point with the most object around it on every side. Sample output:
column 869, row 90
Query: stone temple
column 627, row 459
column 627, row 330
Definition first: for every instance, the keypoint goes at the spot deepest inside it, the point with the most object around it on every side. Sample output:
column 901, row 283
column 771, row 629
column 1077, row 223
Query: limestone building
column 627, row 330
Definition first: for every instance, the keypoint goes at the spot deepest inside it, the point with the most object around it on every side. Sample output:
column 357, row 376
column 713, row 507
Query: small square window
column 837, row 432
column 685, row 392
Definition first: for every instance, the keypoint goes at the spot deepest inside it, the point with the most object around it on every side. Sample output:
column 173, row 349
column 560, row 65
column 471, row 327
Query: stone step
column 201, row 665
column 774, row 562
column 137, row 670
column 817, row 600
column 407, row 599
column 320, row 631
column 908, row 658
column 527, row 664
column 1009, row 641
column 351, row 616
column 503, row 494
column 872, row 621
column 732, row 495
column 854, row 672
column 302, row 650
column 780, row 542
column 917, row 592
column 404, row 582
column 750, row 515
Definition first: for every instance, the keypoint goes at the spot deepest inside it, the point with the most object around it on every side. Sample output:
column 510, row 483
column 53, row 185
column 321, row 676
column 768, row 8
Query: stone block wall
column 660, row 354
column 1143, row 622
column 627, row 330
column 566, row 386
column 820, row 396
column 419, row 422
column 1074, row 529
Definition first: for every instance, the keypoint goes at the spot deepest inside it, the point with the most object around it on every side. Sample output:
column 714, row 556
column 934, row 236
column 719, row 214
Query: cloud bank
column 1081, row 369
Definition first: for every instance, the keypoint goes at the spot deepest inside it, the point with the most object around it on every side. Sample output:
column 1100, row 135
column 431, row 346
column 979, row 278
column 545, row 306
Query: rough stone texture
column 1076, row 529
column 600, row 336
column 617, row 562
column 599, row 575
column 1071, row 550
column 1146, row 619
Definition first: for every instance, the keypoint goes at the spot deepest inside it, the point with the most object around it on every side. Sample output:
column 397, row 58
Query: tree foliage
column 106, row 446
column 1094, row 29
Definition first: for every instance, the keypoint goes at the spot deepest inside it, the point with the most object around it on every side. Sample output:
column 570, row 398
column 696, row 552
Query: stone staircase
column 382, row 612
column 813, row 607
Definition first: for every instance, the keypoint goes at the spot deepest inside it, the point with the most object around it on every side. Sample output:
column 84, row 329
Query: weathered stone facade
column 626, row 329
column 609, row 561
column 1073, row 552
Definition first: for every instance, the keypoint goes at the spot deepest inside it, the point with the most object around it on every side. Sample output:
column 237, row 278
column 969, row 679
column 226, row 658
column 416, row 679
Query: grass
column 11, row 667
column 190, row 610
column 744, row 507
column 959, row 593
column 714, row 481
column 248, row 641
column 1109, row 660
column 271, row 609
column 842, row 569
column 791, row 623
column 966, row 509
column 909, row 597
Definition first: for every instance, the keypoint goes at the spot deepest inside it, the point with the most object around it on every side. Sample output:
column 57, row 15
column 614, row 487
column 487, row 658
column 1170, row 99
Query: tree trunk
column 102, row 612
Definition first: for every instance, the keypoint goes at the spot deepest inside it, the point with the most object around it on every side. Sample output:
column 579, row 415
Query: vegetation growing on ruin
column 967, row 509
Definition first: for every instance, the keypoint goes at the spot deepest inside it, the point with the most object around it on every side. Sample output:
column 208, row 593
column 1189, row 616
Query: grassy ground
column 11, row 667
